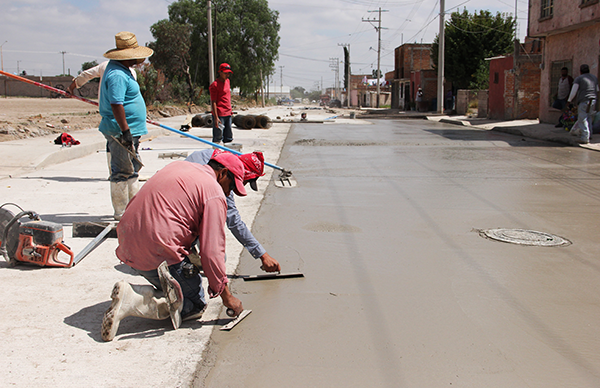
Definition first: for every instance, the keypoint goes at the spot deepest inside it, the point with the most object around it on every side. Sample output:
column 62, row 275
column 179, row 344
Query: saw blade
column 12, row 239
column 237, row 320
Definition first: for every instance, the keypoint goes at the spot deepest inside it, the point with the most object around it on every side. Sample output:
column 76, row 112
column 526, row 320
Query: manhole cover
column 525, row 237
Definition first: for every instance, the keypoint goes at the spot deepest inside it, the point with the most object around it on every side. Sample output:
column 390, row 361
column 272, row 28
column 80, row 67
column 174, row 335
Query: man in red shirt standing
column 220, row 99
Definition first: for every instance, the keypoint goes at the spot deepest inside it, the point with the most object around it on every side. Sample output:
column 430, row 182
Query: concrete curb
column 533, row 131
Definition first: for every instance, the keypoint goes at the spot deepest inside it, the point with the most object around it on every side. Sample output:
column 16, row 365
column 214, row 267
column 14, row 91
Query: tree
column 246, row 35
column 171, row 51
column 469, row 39
column 88, row 65
column 298, row 92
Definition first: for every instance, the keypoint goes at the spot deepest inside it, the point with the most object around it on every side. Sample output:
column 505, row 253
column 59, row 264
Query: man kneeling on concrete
column 254, row 165
column 181, row 203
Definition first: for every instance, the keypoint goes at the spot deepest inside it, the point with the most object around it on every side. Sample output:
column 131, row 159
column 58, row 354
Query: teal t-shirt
column 119, row 87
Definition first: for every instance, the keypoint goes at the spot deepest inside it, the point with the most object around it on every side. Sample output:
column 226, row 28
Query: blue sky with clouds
column 311, row 32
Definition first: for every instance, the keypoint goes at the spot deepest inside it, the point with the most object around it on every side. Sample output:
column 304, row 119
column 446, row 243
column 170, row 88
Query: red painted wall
column 498, row 69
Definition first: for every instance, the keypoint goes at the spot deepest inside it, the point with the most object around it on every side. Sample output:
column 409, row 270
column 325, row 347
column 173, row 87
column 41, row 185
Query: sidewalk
column 527, row 128
column 50, row 323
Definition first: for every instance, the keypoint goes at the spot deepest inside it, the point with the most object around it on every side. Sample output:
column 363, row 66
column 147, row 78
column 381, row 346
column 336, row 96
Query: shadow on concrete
column 67, row 219
column 24, row 266
column 124, row 268
column 89, row 319
column 64, row 178
column 514, row 140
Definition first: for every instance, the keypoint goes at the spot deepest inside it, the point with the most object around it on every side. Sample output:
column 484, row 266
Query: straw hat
column 127, row 48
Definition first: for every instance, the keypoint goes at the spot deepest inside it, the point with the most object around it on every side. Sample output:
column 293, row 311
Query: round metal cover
column 525, row 237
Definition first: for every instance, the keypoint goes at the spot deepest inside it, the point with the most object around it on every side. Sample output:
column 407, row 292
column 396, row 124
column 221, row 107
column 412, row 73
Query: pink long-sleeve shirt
column 179, row 203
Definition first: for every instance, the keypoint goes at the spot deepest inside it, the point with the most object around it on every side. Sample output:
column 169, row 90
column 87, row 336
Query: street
column 400, row 289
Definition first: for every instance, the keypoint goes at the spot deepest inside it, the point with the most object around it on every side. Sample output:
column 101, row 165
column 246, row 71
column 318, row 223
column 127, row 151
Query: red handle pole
column 55, row 90
column 147, row 120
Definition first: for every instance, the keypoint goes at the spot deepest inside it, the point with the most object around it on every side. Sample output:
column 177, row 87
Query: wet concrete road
column 400, row 289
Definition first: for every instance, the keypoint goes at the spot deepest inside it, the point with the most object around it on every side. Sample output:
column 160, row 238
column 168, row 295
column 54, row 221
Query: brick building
column 413, row 68
column 363, row 91
column 514, row 85
column 570, row 30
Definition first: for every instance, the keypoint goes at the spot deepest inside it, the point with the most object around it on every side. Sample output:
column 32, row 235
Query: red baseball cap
column 234, row 164
column 254, row 164
column 225, row 68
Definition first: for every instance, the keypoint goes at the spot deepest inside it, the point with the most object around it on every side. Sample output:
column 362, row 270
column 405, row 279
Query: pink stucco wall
column 579, row 46
column 567, row 14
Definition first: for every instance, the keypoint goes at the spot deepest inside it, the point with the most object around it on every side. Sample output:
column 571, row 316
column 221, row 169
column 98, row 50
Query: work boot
column 172, row 290
column 108, row 158
column 132, row 187
column 132, row 300
column 120, row 197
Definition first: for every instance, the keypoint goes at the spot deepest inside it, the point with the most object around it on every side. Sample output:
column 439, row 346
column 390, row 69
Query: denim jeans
column 122, row 165
column 584, row 119
column 193, row 293
column 226, row 135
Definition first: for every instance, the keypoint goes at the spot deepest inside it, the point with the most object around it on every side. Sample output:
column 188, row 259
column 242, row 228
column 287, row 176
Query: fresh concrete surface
column 400, row 290
column 51, row 317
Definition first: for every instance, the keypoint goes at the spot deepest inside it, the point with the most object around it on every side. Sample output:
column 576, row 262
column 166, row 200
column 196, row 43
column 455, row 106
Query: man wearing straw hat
column 123, row 112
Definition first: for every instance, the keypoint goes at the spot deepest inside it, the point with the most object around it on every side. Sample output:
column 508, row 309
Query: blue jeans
column 193, row 293
column 122, row 165
column 584, row 119
column 226, row 135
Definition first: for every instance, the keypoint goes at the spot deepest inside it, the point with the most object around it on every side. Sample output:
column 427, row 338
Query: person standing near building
column 565, row 83
column 220, row 100
column 123, row 112
column 585, row 88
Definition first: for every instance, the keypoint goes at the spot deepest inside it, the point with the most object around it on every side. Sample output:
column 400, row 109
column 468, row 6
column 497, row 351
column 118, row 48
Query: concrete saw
column 35, row 241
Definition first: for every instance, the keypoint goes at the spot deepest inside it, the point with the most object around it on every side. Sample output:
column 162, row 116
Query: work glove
column 127, row 139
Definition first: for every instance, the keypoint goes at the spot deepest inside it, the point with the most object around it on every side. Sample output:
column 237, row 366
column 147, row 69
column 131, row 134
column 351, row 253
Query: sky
column 35, row 33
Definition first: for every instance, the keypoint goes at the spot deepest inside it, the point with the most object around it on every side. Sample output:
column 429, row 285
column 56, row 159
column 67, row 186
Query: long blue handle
column 207, row 142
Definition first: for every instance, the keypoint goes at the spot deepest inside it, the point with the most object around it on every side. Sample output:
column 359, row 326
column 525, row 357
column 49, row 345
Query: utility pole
column 441, row 51
column 18, row 61
column 347, row 66
column 516, row 22
column 1, row 55
column 211, row 61
column 262, row 90
column 281, row 79
column 378, row 28
column 334, row 64
column 63, row 56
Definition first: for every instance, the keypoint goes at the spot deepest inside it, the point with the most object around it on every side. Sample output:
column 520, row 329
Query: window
column 547, row 7
column 555, row 75
column 588, row 2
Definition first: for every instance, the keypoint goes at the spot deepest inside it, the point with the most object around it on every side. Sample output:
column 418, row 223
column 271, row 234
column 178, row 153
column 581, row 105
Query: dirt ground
column 31, row 117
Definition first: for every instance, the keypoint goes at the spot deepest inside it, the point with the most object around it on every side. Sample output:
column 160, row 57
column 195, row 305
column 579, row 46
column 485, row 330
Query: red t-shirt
column 220, row 92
